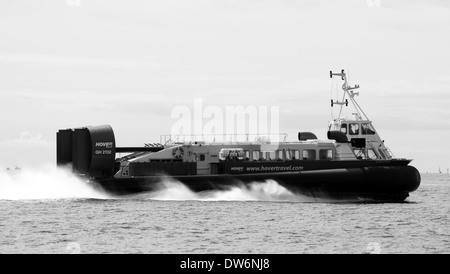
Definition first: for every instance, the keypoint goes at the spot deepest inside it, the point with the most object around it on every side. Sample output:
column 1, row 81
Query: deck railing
column 169, row 139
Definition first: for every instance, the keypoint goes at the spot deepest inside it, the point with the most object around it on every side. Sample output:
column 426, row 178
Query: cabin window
column 272, row 155
column 366, row 154
column 296, row 155
column 125, row 171
column 325, row 154
column 344, row 128
column 367, row 129
column 292, row 154
column 354, row 129
column 383, row 156
column 371, row 154
column 288, row 154
column 280, row 154
column 231, row 154
column 309, row 154
column 255, row 155
column 202, row 157
column 247, row 155
column 264, row 155
column 359, row 154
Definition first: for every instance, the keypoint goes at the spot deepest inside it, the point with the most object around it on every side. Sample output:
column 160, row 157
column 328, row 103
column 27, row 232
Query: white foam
column 46, row 182
column 269, row 190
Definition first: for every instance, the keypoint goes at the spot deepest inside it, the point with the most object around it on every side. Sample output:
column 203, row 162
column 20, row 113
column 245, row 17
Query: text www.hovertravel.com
column 274, row 168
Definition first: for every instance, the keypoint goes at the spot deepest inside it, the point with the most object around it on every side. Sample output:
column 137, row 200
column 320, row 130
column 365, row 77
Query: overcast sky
column 73, row 63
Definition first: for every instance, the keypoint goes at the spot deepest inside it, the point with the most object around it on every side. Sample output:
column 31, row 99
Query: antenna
column 348, row 91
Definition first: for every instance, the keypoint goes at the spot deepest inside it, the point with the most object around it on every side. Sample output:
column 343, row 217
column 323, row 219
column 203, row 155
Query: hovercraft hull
column 386, row 183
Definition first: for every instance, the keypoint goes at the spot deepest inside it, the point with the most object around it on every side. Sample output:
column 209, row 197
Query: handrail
column 168, row 139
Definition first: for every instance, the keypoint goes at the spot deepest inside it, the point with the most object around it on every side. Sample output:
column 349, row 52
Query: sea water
column 51, row 211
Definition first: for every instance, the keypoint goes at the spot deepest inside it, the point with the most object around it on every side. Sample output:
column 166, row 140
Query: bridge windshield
column 367, row 129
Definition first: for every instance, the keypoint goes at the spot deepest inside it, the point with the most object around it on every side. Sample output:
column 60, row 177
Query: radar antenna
column 348, row 92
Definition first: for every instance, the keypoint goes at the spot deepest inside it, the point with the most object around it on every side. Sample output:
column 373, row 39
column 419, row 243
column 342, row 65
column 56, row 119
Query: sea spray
column 269, row 190
column 45, row 182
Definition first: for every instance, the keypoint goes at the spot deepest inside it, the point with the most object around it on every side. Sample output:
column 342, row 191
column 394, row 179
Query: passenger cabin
column 201, row 158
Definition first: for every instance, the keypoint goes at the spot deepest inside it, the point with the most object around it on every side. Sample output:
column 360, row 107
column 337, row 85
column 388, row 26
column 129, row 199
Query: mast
column 348, row 92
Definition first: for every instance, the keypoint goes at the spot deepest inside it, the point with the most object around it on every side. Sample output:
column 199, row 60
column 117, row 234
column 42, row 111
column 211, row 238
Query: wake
column 269, row 190
column 50, row 182
column 47, row 182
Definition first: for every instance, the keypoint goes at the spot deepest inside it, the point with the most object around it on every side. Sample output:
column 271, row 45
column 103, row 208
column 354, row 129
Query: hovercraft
column 353, row 163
